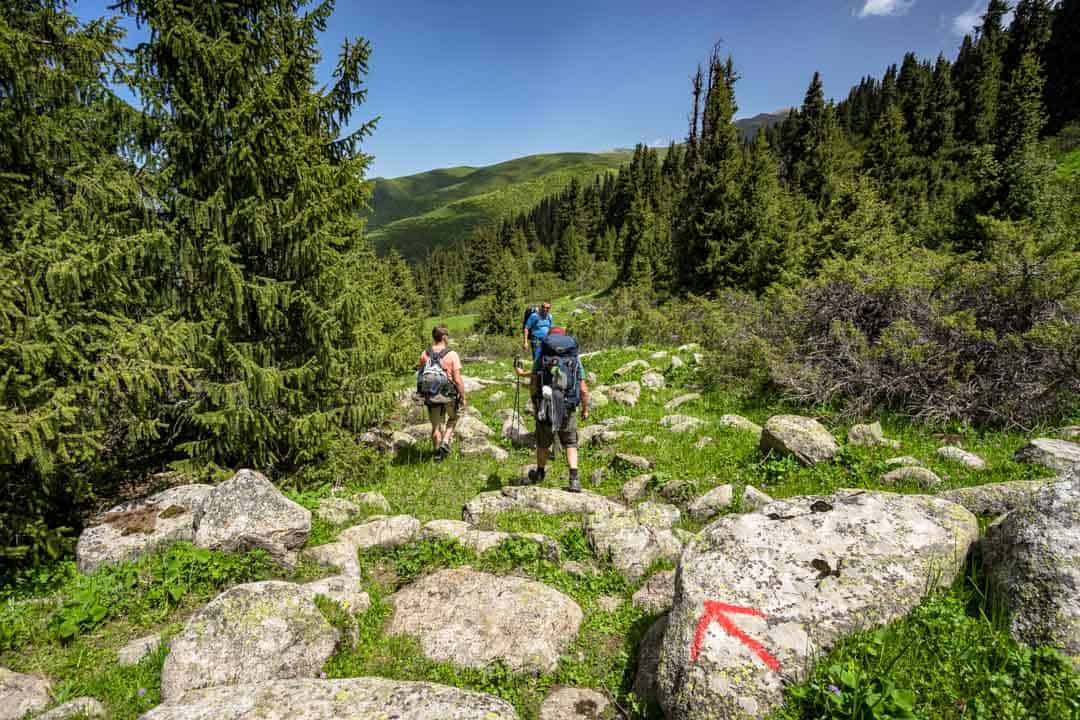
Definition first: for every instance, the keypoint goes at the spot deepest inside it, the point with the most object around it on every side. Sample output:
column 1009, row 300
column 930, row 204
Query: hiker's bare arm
column 525, row 338
column 584, row 390
column 460, row 383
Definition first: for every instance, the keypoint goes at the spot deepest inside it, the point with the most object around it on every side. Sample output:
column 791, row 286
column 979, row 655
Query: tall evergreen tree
column 1029, row 32
column 1062, row 59
column 939, row 128
column 569, row 253
column 260, row 189
column 1021, row 120
column 990, row 51
column 814, row 150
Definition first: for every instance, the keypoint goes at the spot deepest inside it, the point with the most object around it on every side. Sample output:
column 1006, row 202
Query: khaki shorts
column 567, row 433
column 442, row 416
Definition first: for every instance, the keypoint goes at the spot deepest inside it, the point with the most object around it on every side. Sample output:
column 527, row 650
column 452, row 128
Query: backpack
column 433, row 382
column 559, row 368
column 528, row 314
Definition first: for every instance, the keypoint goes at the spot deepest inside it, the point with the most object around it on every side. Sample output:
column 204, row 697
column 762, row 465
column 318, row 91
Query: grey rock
column 248, row 512
column 373, row 499
column 472, row 619
column 703, row 442
column 383, row 532
column 552, row 501
column 633, row 539
column 630, row 367
column 138, row 528
column 580, row 569
column 308, row 699
column 870, row 435
column 634, row 488
column 624, row 461
column 699, row 359
column 616, row 422
column 598, row 475
column 597, row 400
column 471, row 428
column 1070, row 432
column 626, row 394
column 649, row 661
column 962, row 457
column 477, row 448
column 904, row 461
column 653, row 380
column 921, row 476
column 658, row 355
column 678, row 402
column 480, row 541
column 1061, row 456
column 607, row 438
column 1032, row 557
column 474, row 384
column 676, row 362
column 84, row 707
column 711, row 503
column 345, row 590
column 419, row 431
column 649, row 440
column 497, row 396
column 754, row 499
column 400, row 441
column 574, row 704
column 517, row 432
column 133, row 652
column 996, row 498
column 609, row 603
column 336, row 510
column 21, row 694
column 681, row 423
column 688, row 347
column 486, row 504
column 803, row 437
column 657, row 593
column 894, row 548
column 740, row 423
column 250, row 633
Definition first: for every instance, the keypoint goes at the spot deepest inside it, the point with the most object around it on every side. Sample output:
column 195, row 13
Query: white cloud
column 966, row 22
column 885, row 7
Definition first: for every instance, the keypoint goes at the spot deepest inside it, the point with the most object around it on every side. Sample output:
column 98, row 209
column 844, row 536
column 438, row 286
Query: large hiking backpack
column 528, row 314
column 559, row 368
column 433, row 383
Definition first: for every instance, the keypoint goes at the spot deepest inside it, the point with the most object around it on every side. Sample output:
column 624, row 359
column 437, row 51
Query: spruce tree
column 260, row 190
column 1062, row 60
column 814, row 157
column 938, row 130
column 569, row 254
column 1029, row 32
column 990, row 51
column 888, row 152
column 1021, row 119
column 501, row 312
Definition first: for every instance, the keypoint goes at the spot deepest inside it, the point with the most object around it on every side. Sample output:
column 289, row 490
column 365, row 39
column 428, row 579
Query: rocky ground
column 722, row 549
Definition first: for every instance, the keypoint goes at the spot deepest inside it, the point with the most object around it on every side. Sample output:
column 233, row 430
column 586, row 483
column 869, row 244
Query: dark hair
column 439, row 333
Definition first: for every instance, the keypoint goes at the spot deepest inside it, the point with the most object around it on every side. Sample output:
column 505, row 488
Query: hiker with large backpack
column 558, row 390
column 536, row 326
column 439, row 384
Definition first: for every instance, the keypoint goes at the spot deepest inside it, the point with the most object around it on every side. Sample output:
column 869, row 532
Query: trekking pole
column 517, row 398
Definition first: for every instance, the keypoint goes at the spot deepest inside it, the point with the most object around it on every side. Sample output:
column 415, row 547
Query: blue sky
column 474, row 83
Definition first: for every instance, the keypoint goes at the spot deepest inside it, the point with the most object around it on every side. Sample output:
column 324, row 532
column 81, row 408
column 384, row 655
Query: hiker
column 558, row 388
column 537, row 326
column 439, row 383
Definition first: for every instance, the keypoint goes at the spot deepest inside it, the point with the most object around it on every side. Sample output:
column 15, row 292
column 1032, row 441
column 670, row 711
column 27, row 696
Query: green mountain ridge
column 415, row 214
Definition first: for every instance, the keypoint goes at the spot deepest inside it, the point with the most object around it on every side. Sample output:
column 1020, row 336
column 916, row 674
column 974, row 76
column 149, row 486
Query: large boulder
column 649, row 661
column 1032, row 557
column 549, row 501
column 759, row 596
column 248, row 512
column 570, row 703
column 250, row 633
column 21, row 694
column 995, row 499
column 309, row 699
column 633, row 539
column 129, row 531
column 1061, row 456
column 473, row 619
column 803, row 437
column 378, row 532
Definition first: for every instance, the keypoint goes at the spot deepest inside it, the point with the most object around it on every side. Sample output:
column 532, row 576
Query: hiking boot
column 536, row 476
column 575, row 482
column 439, row 455
column 445, row 450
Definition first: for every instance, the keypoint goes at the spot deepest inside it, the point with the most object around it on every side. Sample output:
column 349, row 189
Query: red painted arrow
column 718, row 611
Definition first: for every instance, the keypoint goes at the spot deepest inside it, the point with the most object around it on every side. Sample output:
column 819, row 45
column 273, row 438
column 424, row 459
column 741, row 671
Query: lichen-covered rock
column 626, row 394
column 678, row 402
column 471, row 428
column 649, row 661
column 336, row 510
column 597, row 400
column 995, row 498
column 1032, row 557
column 575, row 704
column 681, row 423
column 653, row 380
column 803, row 437
column 633, row 539
column 472, row 619
column 250, row 633
column 712, row 502
column 552, row 501
column 919, row 475
column 1061, row 456
column 137, row 528
column 84, row 707
column 486, row 504
column 625, row 461
column 657, row 593
column 634, row 488
column 630, row 367
column 21, row 694
column 381, row 532
column 870, row 435
column 795, row 578
column 343, row 589
column 478, row 447
column 308, row 699
column 962, row 457
column 740, row 423
column 904, row 461
column 754, row 499
column 480, row 541
column 374, row 500
column 133, row 652
column 248, row 512
column 676, row 362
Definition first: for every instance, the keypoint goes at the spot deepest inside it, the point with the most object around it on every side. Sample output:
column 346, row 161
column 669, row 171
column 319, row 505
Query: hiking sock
column 575, row 481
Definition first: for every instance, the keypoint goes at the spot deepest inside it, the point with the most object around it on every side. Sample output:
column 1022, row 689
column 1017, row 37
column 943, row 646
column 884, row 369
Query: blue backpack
column 559, row 367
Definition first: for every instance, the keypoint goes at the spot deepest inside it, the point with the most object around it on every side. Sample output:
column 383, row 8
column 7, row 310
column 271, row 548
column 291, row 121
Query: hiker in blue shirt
column 536, row 329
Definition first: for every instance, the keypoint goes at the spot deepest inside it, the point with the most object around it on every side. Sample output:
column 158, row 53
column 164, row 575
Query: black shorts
column 567, row 433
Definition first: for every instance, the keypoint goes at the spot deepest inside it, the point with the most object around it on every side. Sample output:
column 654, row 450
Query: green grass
column 1069, row 165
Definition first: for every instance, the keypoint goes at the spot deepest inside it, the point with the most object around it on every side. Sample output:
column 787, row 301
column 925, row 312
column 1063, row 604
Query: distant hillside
column 416, row 213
